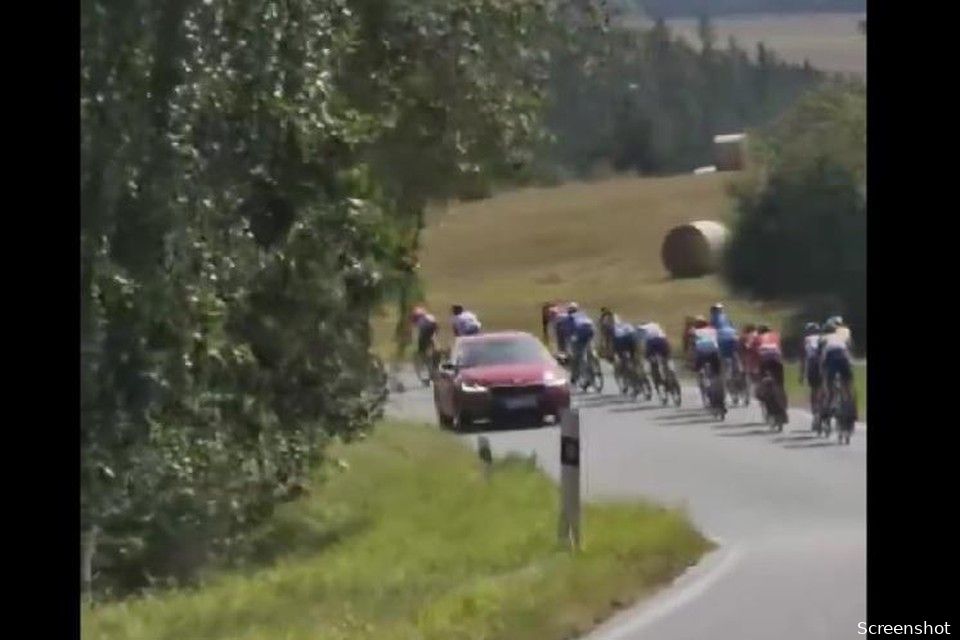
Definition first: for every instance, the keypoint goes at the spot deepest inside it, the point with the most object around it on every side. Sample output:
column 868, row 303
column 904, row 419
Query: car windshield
column 502, row 351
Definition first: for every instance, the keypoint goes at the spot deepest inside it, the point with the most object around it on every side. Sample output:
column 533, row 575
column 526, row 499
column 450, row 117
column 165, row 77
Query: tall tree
column 253, row 177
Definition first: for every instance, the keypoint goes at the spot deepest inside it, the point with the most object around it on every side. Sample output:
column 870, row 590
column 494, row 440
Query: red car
column 494, row 376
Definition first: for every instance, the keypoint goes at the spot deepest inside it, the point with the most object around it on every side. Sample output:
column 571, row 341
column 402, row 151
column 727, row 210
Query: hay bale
column 730, row 151
column 694, row 249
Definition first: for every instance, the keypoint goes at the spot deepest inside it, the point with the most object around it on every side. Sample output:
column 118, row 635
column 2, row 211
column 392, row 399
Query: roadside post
column 569, row 530
column 486, row 456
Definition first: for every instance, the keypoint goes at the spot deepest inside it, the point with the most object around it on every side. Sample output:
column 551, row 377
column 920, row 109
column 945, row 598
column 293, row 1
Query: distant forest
column 677, row 8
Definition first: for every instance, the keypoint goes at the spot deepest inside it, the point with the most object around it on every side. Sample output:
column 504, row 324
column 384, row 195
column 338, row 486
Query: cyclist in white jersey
column 465, row 323
column 834, row 356
column 810, row 364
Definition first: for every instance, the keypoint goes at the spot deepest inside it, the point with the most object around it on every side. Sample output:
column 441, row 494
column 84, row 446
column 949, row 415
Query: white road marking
column 671, row 600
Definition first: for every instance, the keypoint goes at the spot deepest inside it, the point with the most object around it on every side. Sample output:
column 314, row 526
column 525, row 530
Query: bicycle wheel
column 596, row 372
column 620, row 377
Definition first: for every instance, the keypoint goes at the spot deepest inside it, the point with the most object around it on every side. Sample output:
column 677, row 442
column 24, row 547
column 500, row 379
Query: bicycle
column 425, row 363
column 841, row 411
column 665, row 381
column 633, row 378
column 592, row 376
column 735, row 382
column 714, row 393
column 770, row 395
column 595, row 379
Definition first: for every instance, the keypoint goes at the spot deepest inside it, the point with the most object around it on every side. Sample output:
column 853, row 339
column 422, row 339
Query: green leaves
column 800, row 232
column 253, row 181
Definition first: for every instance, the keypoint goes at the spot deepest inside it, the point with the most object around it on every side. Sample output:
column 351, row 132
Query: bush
column 800, row 229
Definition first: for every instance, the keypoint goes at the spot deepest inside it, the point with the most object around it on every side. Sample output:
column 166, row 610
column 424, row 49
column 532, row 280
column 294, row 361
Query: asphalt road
column 788, row 511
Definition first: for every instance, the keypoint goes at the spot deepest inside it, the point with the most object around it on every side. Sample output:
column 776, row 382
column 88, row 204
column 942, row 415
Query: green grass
column 412, row 542
column 799, row 396
column 595, row 242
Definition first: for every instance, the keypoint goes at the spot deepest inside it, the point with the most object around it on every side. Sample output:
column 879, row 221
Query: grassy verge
column 412, row 542
column 595, row 242
column 800, row 397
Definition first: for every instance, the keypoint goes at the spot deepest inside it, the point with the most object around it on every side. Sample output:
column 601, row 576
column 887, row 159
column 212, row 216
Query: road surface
column 788, row 511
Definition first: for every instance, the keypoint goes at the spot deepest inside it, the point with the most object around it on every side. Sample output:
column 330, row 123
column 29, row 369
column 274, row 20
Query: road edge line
column 686, row 588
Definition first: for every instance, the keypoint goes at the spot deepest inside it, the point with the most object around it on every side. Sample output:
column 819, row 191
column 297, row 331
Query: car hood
column 508, row 374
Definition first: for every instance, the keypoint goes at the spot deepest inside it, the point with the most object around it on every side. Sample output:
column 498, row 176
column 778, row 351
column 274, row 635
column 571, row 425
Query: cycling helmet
column 811, row 328
column 700, row 322
column 830, row 325
column 457, row 309
column 749, row 328
column 573, row 307
column 417, row 313
column 763, row 329
column 716, row 307
column 837, row 320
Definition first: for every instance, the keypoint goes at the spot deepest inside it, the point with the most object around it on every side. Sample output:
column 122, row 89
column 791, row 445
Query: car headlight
column 551, row 379
column 472, row 387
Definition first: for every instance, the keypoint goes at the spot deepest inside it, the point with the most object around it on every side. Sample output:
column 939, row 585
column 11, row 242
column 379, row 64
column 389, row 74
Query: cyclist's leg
column 846, row 375
column 831, row 374
column 422, row 342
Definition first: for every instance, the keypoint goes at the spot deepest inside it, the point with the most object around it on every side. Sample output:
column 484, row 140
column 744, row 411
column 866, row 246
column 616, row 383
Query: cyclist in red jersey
column 748, row 352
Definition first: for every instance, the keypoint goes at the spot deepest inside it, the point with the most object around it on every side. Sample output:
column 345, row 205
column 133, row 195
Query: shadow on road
column 741, row 434
column 738, row 425
column 691, row 421
column 794, row 439
column 592, row 401
column 684, row 414
column 638, row 407
column 811, row 445
column 502, row 425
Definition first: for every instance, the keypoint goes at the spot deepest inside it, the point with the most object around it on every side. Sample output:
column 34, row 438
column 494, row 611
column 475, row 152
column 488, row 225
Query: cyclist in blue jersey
column 581, row 335
column 623, row 338
column 718, row 317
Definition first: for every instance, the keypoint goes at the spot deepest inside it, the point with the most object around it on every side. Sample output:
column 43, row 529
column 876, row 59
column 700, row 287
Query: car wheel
column 461, row 421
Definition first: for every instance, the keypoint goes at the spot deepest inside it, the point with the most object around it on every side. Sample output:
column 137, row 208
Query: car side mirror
column 448, row 369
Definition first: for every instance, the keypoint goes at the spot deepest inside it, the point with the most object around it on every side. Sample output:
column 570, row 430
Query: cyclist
column 705, row 348
column 621, row 339
column 609, row 323
column 748, row 352
column 655, row 345
column 810, row 364
column 551, row 312
column 770, row 359
column 426, row 327
column 465, row 323
column 835, row 359
column 843, row 331
column 718, row 317
column 579, row 331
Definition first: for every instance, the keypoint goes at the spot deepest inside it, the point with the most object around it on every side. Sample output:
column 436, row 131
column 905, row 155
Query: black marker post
column 569, row 532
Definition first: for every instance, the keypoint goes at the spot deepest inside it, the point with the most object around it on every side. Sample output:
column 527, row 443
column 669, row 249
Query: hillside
column 598, row 243
column 675, row 8
column 830, row 42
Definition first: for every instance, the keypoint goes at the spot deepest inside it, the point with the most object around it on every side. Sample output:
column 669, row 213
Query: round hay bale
column 730, row 151
column 694, row 249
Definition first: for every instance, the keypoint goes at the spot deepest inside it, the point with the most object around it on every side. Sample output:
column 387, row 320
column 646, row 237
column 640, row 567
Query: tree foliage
column 676, row 8
column 800, row 233
column 649, row 102
column 253, row 177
